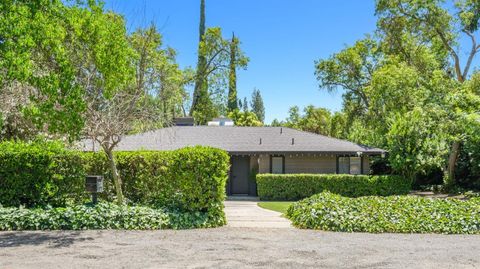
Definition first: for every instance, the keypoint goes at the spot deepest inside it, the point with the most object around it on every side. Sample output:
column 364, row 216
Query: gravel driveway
column 229, row 247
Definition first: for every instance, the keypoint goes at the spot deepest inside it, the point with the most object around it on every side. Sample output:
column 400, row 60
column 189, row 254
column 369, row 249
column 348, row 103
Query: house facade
column 255, row 150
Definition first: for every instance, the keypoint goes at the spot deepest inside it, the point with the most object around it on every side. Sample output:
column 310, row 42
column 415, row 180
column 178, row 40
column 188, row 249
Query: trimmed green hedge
column 39, row 173
column 299, row 186
column 392, row 214
column 190, row 180
column 101, row 216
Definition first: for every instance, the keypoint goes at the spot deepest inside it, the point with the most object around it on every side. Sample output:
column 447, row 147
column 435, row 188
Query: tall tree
column 245, row 105
column 439, row 27
column 232, row 82
column 200, row 94
column 257, row 105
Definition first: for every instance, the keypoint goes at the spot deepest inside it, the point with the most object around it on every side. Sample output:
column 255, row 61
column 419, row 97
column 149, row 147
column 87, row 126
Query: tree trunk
column 116, row 177
column 452, row 161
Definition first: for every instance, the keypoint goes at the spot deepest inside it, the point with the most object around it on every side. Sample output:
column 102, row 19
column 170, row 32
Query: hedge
column 392, row 214
column 100, row 216
column 190, row 180
column 298, row 186
column 39, row 173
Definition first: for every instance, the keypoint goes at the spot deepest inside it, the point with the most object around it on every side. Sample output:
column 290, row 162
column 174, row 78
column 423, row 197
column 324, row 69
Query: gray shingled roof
column 239, row 140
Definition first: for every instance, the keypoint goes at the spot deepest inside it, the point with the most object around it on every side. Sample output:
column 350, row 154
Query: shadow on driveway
column 54, row 239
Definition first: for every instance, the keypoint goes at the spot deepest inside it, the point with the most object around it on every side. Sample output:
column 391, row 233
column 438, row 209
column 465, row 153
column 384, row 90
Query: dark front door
column 239, row 175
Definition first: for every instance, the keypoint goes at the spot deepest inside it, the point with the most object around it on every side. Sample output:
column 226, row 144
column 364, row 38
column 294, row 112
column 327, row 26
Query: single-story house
column 259, row 150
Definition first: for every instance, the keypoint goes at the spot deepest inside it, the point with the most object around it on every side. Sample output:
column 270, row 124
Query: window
column 350, row 165
column 355, row 166
column 277, row 165
column 344, row 165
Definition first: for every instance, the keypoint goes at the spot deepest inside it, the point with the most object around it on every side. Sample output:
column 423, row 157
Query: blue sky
column 282, row 38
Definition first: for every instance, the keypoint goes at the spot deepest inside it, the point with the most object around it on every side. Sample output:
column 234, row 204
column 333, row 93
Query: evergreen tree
column 257, row 105
column 232, row 82
column 201, row 102
column 245, row 105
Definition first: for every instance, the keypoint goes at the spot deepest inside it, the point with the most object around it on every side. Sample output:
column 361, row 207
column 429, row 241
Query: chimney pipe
column 260, row 140
column 293, row 141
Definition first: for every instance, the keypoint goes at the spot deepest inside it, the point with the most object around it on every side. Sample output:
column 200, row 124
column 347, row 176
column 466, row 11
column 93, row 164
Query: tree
column 438, row 27
column 35, row 66
column 201, row 86
column 232, row 82
column 257, row 105
column 244, row 118
column 214, row 62
column 245, row 104
column 163, row 81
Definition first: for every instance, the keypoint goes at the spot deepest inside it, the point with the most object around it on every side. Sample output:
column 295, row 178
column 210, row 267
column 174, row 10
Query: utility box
column 94, row 184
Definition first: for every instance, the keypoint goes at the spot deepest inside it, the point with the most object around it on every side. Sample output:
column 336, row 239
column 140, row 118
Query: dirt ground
column 235, row 248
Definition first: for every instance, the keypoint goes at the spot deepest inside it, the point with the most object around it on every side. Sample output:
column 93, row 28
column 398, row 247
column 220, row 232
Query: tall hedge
column 45, row 173
column 40, row 173
column 299, row 186
column 189, row 179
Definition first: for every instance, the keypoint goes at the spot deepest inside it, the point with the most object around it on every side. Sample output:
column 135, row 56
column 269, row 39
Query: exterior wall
column 310, row 164
column 304, row 164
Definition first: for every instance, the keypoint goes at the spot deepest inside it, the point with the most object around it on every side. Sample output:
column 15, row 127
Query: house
column 260, row 150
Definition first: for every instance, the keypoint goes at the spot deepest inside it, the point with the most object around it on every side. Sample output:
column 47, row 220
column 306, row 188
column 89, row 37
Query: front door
column 239, row 175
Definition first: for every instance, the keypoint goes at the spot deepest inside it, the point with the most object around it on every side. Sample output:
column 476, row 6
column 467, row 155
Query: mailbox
column 94, row 184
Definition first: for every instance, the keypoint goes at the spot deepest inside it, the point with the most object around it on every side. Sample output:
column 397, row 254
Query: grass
column 275, row 206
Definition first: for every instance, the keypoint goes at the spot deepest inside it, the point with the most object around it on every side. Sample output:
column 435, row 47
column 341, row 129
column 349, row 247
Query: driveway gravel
column 230, row 247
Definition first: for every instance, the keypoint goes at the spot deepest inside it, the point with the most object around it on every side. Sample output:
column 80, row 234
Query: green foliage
column 40, row 173
column 232, row 103
column 392, row 214
column 244, row 118
column 298, row 186
column 213, row 74
column 257, row 105
column 32, row 34
column 189, row 179
column 103, row 216
column 413, row 148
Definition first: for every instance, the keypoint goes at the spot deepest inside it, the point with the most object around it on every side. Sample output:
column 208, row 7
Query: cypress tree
column 201, row 86
column 232, row 82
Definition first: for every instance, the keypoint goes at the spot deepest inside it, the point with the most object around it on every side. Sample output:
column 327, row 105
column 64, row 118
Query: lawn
column 275, row 206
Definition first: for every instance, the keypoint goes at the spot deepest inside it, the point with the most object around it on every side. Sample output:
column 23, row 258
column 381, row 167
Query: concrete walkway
column 248, row 214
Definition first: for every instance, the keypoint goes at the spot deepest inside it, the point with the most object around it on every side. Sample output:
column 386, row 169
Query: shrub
column 189, row 179
column 100, row 216
column 39, row 173
column 395, row 214
column 298, row 186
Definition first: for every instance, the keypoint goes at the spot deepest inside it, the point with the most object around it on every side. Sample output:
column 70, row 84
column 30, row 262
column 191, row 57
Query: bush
column 40, row 173
column 299, row 186
column 100, row 216
column 393, row 214
column 190, row 179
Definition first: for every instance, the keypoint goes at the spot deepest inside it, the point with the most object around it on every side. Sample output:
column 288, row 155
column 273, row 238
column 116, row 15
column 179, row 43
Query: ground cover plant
column 101, row 216
column 298, row 186
column 392, row 214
